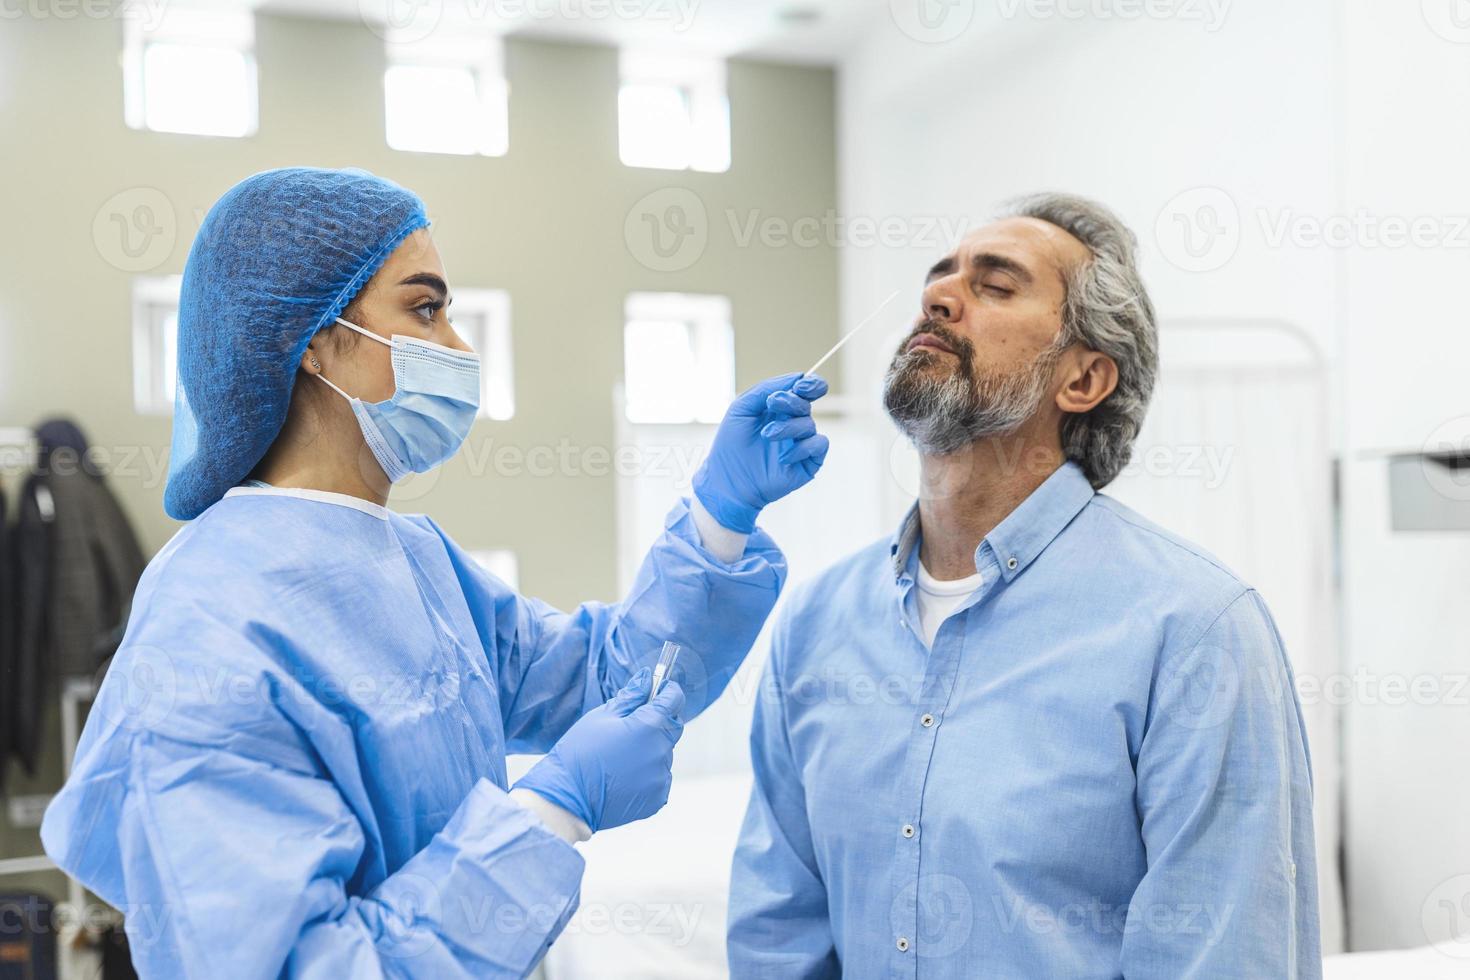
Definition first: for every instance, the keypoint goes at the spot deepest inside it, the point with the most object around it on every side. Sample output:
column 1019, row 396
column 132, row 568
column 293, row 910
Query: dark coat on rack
column 77, row 564
column 7, row 641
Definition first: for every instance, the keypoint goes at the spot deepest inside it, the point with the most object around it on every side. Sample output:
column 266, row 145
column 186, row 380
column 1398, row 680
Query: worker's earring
column 316, row 364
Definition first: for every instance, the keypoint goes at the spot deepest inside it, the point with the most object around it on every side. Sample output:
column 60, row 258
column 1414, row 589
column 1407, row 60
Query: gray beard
column 944, row 414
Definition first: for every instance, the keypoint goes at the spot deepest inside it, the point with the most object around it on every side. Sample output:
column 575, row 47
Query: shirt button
column 1011, row 562
column 908, row 830
column 927, row 721
column 1293, row 871
column 903, row 944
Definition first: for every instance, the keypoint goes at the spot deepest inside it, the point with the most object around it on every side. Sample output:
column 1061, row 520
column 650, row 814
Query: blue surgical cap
column 276, row 259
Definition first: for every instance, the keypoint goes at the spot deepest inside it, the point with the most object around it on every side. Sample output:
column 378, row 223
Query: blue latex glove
column 614, row 765
column 766, row 447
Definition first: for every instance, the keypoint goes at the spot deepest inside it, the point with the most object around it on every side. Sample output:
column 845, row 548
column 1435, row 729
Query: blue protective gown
column 296, row 763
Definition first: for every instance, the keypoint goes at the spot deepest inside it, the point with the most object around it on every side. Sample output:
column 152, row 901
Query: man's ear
column 1089, row 378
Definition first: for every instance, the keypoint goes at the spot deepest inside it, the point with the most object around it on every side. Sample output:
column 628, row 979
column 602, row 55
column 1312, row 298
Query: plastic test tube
column 661, row 669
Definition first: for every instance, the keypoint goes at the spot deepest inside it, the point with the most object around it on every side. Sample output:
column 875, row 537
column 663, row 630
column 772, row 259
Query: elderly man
column 1032, row 735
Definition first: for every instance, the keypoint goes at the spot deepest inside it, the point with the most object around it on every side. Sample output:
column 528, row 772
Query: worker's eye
column 429, row 310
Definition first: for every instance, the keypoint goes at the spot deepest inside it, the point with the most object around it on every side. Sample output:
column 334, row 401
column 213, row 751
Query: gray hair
column 1107, row 310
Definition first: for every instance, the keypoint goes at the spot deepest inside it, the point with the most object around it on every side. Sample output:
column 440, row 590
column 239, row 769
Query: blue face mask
column 436, row 392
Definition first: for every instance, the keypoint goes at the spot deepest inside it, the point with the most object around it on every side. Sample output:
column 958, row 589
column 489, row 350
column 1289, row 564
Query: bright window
column 447, row 95
column 155, row 343
column 193, row 73
column 673, row 113
column 482, row 318
column 678, row 357
column 500, row 563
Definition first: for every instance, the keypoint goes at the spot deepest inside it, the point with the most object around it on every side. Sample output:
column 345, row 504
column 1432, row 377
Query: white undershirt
column 938, row 600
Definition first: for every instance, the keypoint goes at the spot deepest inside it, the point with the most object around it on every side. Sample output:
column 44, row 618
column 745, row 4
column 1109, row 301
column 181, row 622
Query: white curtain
column 1235, row 456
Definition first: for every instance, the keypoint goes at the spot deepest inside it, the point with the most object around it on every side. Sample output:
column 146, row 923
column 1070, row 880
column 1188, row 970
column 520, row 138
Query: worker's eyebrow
column 430, row 280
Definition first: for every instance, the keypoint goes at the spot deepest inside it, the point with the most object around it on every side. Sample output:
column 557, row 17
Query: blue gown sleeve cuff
column 506, row 884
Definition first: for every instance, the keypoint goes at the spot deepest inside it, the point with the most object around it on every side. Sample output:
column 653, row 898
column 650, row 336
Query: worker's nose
column 942, row 301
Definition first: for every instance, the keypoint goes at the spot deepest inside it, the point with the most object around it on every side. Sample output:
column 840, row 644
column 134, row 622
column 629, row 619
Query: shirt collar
column 1025, row 532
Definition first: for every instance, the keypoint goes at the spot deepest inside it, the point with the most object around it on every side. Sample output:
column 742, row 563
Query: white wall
column 1272, row 124
column 1405, row 142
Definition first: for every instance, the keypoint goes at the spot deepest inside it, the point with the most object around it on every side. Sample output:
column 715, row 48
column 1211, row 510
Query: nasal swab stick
column 848, row 336
column 665, row 664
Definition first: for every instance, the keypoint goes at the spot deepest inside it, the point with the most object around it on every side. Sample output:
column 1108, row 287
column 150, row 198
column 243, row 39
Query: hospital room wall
column 545, row 222
column 1259, row 118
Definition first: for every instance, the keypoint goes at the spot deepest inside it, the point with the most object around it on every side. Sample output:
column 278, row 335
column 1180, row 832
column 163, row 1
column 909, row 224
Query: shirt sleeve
column 552, row 666
column 779, row 925
column 281, row 891
column 1224, row 789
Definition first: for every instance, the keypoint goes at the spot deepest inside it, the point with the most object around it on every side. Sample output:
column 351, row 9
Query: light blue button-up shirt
column 1099, row 770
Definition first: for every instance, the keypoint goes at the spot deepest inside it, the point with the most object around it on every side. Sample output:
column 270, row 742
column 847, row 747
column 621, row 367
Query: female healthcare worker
column 296, row 763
